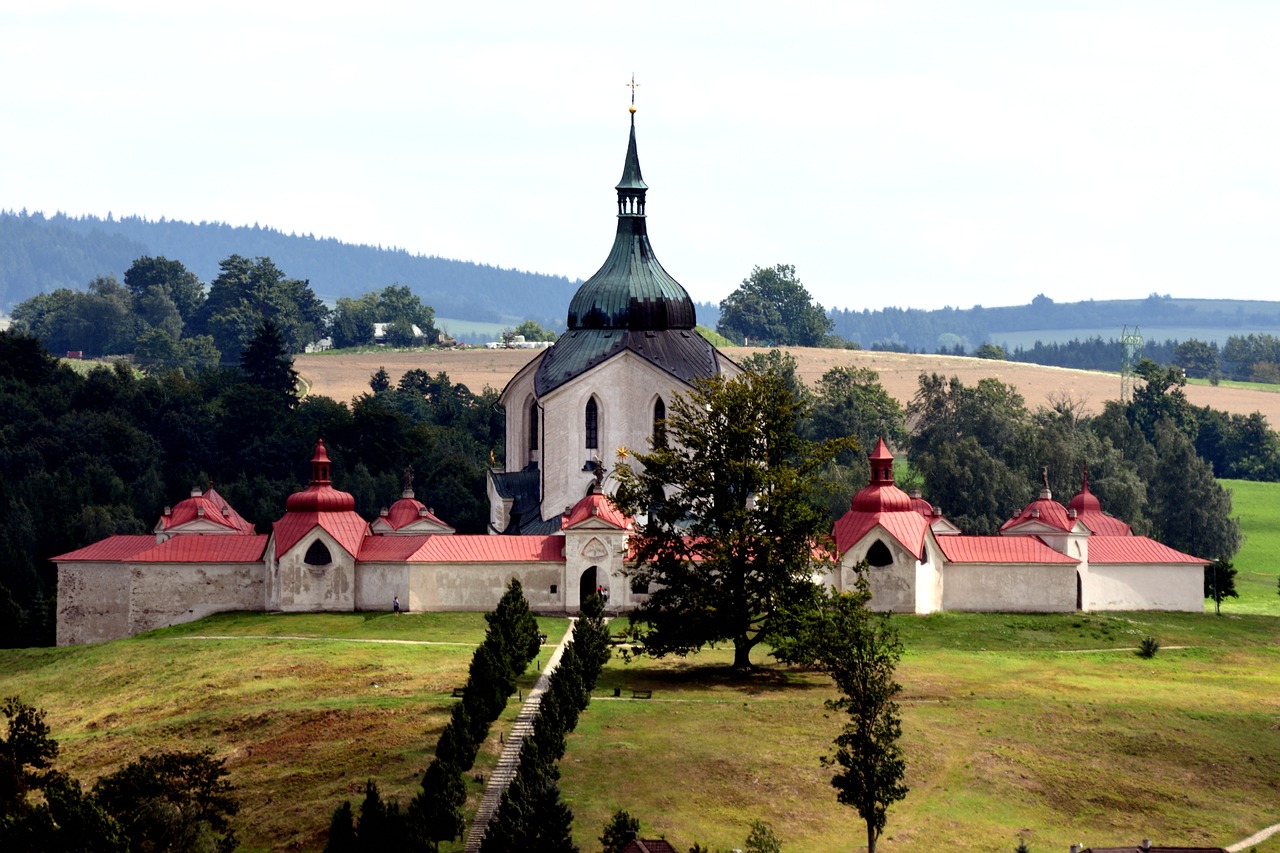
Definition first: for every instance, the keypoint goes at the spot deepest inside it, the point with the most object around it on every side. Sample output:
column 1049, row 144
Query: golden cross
column 632, row 86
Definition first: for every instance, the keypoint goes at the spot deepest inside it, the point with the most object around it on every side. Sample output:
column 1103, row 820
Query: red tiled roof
column 210, row 507
column 111, row 549
column 906, row 526
column 1116, row 550
column 493, row 549
column 180, row 549
column 207, row 549
column 393, row 549
column 1101, row 524
column 1045, row 510
column 597, row 506
column 999, row 549
column 409, row 510
column 347, row 528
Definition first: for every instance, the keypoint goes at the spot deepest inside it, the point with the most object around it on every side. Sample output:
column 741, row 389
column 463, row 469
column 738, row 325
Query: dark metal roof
column 631, row 179
column 631, row 290
column 683, row 353
column 524, row 488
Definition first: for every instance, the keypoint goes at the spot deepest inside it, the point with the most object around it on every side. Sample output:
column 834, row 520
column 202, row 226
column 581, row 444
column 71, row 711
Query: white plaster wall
column 1143, row 587
column 377, row 585
column 1013, row 588
column 929, row 579
column 93, row 603
column 604, row 548
column 305, row 588
column 475, row 586
column 893, row 587
column 515, row 399
column 171, row 594
column 625, row 388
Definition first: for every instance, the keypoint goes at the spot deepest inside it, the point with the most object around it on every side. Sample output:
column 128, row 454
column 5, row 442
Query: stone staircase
column 509, row 761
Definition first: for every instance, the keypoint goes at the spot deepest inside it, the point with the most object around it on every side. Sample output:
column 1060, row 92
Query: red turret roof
column 882, row 504
column 1089, row 511
column 320, row 505
column 595, row 506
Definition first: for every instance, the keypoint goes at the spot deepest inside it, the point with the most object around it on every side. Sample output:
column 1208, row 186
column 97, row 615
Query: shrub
column 1148, row 647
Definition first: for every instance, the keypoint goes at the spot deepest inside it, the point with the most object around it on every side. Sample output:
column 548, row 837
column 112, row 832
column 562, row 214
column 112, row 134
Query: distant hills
column 40, row 253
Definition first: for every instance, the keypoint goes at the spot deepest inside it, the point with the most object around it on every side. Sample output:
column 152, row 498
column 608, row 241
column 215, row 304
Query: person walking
column 395, row 604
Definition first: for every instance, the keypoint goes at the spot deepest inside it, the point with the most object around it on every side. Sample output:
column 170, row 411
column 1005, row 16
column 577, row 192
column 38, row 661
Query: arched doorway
column 588, row 584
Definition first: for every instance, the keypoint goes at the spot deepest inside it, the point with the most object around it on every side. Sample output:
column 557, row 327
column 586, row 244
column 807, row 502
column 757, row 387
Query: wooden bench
column 459, row 691
column 641, row 694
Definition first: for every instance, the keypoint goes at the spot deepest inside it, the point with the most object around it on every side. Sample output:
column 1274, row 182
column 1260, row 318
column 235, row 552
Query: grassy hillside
column 1258, row 563
column 1043, row 727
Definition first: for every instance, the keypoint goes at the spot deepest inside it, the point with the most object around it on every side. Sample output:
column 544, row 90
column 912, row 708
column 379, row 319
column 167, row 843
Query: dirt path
column 1256, row 838
column 344, row 377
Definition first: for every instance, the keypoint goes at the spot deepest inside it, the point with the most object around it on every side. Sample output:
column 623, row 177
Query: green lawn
column 1015, row 726
column 1258, row 563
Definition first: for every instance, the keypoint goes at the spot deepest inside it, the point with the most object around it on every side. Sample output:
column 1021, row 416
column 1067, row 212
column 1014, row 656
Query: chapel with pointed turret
column 630, row 345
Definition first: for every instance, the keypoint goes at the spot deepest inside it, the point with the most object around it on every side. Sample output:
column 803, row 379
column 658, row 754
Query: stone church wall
column 1144, row 588
column 1009, row 588
column 162, row 595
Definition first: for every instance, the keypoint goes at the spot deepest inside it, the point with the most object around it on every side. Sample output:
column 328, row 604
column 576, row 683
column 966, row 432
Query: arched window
column 317, row 555
column 659, row 423
column 879, row 555
column 533, row 425
column 593, row 424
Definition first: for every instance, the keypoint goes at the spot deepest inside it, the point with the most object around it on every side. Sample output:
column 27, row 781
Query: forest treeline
column 39, row 254
column 83, row 457
column 86, row 456
column 944, row 329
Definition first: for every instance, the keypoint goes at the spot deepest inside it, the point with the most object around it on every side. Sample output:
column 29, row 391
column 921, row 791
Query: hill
column 39, row 254
column 342, row 376
column 1043, row 727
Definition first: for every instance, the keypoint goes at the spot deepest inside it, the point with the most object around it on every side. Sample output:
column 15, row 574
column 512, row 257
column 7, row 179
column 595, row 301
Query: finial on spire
column 632, row 86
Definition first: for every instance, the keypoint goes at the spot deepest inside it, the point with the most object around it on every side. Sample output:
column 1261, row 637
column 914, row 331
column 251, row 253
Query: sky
column 912, row 154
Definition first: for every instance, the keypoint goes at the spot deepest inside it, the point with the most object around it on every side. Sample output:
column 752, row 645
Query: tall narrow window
column 593, row 424
column 659, row 424
column 533, row 425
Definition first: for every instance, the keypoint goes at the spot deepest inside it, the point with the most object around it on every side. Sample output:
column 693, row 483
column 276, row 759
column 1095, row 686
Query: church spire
column 631, row 187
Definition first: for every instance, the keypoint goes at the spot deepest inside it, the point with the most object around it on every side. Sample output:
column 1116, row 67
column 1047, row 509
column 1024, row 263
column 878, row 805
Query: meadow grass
column 1047, row 727
column 1258, row 562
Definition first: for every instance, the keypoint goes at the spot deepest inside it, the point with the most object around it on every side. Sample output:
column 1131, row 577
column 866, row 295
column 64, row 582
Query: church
column 629, row 348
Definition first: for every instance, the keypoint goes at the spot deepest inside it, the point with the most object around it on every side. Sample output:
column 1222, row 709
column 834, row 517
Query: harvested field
column 343, row 377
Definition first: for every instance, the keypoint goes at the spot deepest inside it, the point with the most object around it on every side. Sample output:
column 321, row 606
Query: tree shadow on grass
column 678, row 674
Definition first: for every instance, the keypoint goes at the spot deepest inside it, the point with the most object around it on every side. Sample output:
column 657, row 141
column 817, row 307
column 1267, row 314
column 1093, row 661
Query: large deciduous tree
column 772, row 307
column 726, row 529
column 245, row 292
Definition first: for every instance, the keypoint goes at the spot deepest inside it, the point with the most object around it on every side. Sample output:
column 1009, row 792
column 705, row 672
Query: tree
column 167, row 280
column 850, row 401
column 26, row 751
column 762, row 839
column 1220, row 582
column 1190, row 508
column 991, row 351
column 267, row 363
column 177, row 801
column 1198, row 359
column 245, row 292
column 620, row 831
column 531, row 330
column 772, row 307
column 725, row 527
column 860, row 651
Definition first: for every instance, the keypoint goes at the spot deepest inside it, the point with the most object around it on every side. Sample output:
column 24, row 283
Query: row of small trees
column 531, row 815
column 511, row 642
